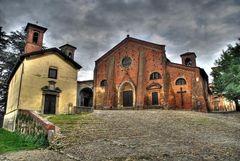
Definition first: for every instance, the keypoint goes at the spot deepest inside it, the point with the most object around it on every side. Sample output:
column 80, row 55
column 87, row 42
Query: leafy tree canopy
column 226, row 74
column 11, row 47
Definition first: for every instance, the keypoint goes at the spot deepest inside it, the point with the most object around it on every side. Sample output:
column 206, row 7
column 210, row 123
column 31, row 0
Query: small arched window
column 35, row 37
column 180, row 81
column 155, row 75
column 70, row 54
column 188, row 62
column 103, row 83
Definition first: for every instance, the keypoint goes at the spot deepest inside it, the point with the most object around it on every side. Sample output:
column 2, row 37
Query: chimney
column 189, row 59
column 68, row 50
column 34, row 39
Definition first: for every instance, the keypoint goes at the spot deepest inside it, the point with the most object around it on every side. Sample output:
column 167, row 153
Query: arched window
column 35, row 37
column 70, row 54
column 103, row 83
column 155, row 75
column 188, row 62
column 180, row 81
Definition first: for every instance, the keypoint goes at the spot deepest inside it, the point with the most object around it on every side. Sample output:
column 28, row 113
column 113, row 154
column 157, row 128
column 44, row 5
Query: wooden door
column 127, row 98
column 154, row 98
column 50, row 104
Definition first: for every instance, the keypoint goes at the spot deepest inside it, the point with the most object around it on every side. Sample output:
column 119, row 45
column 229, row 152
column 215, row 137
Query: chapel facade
column 43, row 80
column 137, row 74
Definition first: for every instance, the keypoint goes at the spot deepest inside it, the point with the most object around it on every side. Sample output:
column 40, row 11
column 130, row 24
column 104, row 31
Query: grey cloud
column 94, row 26
column 2, row 18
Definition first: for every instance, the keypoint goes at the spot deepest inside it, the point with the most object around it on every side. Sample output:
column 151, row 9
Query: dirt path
column 150, row 135
column 35, row 155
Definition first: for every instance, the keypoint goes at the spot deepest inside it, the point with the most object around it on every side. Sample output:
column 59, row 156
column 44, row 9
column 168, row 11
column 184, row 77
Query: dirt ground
column 121, row 135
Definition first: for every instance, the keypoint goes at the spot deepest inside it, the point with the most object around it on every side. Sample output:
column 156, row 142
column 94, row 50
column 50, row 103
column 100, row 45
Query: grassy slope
column 69, row 122
column 10, row 141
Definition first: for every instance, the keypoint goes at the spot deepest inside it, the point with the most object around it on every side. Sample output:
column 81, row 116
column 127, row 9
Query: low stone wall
column 79, row 109
column 9, row 121
column 133, row 107
column 30, row 123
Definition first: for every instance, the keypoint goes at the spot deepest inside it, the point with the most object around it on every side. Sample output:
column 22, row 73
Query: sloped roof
column 68, row 45
column 188, row 53
column 42, row 52
column 128, row 39
column 36, row 26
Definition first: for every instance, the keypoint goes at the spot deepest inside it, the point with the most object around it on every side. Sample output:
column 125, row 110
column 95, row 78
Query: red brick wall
column 146, row 59
column 30, row 46
column 175, row 73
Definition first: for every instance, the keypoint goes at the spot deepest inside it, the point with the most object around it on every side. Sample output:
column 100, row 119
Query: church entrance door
column 154, row 98
column 50, row 104
column 127, row 98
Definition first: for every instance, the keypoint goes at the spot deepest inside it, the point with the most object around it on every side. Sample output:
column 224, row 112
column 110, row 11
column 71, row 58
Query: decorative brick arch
column 120, row 90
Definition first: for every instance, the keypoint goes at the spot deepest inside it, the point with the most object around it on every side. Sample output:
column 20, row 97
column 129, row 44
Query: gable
column 37, row 54
column 135, row 41
column 50, row 59
column 55, row 51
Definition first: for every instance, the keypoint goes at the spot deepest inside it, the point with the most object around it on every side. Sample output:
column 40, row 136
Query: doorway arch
column 126, row 94
column 86, row 97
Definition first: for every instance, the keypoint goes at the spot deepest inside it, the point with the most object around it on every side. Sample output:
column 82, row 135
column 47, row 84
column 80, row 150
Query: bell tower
column 68, row 50
column 189, row 59
column 34, row 39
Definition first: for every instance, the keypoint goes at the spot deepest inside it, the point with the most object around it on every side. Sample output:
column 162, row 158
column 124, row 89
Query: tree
column 226, row 74
column 3, row 46
column 11, row 47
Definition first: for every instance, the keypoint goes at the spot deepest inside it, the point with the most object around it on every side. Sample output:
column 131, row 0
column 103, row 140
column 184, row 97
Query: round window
column 126, row 61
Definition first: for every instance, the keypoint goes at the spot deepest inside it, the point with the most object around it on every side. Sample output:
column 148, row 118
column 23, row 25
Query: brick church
column 137, row 74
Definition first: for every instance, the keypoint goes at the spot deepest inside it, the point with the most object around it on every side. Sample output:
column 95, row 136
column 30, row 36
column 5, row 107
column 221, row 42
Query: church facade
column 137, row 74
column 43, row 80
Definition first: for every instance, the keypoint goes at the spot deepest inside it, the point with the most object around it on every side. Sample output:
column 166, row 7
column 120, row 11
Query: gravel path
column 149, row 135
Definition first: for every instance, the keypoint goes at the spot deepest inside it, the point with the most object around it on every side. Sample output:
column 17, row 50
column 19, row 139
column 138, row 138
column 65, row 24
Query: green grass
column 66, row 122
column 11, row 141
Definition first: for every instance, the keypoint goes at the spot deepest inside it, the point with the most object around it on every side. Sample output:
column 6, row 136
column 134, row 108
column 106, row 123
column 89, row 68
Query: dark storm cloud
column 94, row 26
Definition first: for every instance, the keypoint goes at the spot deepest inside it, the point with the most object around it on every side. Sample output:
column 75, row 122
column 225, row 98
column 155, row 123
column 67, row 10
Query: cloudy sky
column 95, row 26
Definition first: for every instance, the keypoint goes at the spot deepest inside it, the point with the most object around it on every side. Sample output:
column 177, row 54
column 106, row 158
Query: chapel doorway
column 50, row 104
column 86, row 97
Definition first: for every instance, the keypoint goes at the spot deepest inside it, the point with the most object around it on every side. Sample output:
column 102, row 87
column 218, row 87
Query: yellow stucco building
column 42, row 80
